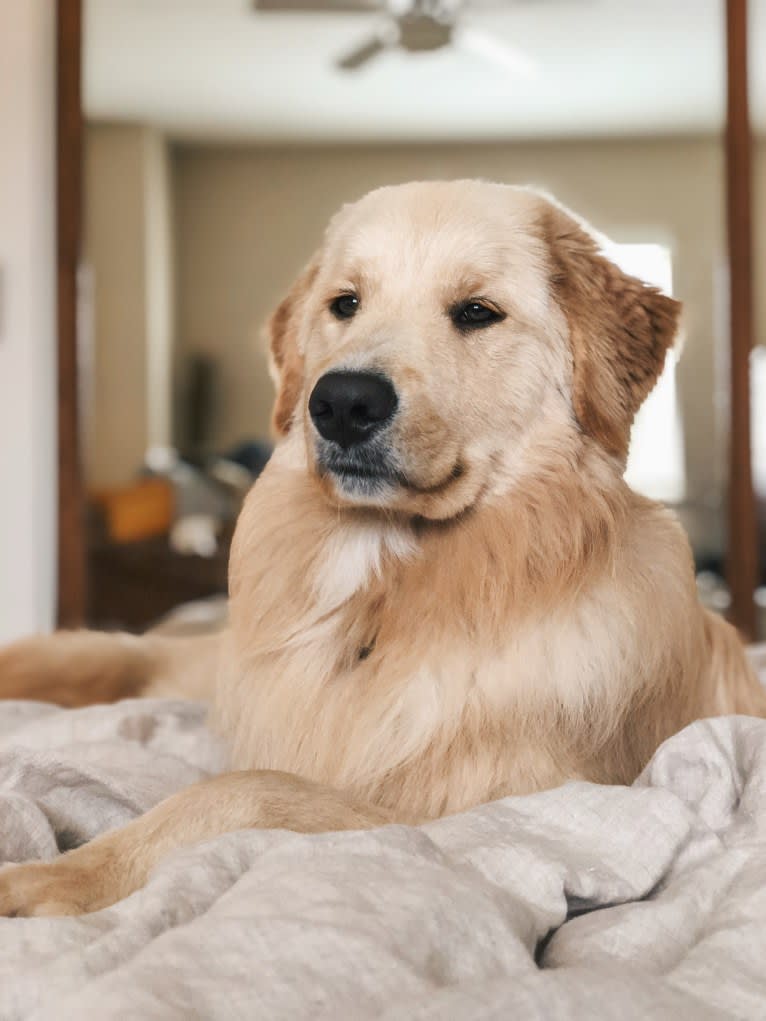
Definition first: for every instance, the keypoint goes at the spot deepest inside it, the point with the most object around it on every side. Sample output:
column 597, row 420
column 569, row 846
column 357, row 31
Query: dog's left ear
column 620, row 330
column 285, row 356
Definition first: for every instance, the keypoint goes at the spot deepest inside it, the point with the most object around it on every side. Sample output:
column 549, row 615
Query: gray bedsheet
column 581, row 902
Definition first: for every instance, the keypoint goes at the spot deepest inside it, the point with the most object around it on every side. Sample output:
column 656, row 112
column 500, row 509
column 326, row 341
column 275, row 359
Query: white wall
column 27, row 318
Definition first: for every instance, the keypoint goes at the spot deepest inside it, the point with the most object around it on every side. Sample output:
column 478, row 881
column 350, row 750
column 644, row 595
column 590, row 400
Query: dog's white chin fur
column 364, row 492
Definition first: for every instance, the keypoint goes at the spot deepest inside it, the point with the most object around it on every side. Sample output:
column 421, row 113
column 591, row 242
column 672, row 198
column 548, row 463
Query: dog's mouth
column 358, row 472
column 373, row 475
column 351, row 472
column 356, row 469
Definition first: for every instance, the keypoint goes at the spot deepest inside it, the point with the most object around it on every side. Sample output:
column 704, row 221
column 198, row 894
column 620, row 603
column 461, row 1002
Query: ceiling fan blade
column 487, row 49
column 504, row 5
column 364, row 52
column 319, row 6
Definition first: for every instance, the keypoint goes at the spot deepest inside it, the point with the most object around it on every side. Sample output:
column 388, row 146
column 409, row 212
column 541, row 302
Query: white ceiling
column 215, row 69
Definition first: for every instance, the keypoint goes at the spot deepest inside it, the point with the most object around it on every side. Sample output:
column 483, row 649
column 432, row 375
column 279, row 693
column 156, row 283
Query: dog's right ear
column 285, row 356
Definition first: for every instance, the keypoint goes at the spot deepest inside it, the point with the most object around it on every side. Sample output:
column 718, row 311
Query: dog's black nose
column 348, row 407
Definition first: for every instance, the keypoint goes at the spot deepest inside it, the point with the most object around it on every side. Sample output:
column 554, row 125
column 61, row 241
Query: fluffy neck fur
column 429, row 667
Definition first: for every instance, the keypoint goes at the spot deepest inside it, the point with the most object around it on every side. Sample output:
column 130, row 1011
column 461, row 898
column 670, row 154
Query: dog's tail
column 78, row 668
column 737, row 687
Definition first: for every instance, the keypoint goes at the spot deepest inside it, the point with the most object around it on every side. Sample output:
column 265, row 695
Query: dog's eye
column 473, row 315
column 344, row 306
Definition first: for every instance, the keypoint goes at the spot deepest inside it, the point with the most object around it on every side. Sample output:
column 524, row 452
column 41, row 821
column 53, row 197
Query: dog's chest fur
column 421, row 671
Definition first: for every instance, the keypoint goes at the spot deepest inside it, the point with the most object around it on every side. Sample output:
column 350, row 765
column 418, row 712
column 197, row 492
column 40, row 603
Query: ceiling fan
column 415, row 26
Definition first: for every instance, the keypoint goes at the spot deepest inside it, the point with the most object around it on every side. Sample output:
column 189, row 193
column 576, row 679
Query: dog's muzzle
column 350, row 412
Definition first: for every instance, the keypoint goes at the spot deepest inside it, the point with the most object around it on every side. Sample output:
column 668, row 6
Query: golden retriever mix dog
column 442, row 590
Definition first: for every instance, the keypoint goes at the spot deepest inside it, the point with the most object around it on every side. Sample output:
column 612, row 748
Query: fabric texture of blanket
column 580, row 902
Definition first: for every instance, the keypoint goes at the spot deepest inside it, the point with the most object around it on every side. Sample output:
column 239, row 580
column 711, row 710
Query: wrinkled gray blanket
column 581, row 902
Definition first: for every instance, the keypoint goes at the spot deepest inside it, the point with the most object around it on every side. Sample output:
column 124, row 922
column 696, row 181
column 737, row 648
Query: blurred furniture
column 138, row 511
column 132, row 585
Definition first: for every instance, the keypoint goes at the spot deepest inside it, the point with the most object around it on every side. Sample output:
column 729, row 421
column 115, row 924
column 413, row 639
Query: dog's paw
column 42, row 888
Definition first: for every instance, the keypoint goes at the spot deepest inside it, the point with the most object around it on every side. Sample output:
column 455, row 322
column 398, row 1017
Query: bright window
column 656, row 458
column 758, row 417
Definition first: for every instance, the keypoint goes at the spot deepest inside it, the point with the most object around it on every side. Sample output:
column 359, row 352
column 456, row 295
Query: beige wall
column 248, row 217
column 128, row 258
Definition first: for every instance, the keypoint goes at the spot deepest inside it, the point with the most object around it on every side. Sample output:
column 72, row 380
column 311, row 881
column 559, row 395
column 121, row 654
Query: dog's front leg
column 118, row 862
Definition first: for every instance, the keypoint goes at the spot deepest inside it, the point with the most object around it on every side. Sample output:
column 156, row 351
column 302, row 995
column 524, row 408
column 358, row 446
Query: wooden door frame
column 742, row 545
column 71, row 573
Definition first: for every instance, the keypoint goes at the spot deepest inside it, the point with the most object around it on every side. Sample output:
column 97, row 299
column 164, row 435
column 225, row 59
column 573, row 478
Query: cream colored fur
column 508, row 617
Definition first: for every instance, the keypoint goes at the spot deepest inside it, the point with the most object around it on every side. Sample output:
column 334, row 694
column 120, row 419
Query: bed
column 580, row 902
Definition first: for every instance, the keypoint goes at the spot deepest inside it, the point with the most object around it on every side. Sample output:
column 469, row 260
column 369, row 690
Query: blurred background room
column 218, row 136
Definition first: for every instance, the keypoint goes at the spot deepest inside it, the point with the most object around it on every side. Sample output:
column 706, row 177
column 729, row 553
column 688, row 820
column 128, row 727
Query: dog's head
column 447, row 333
